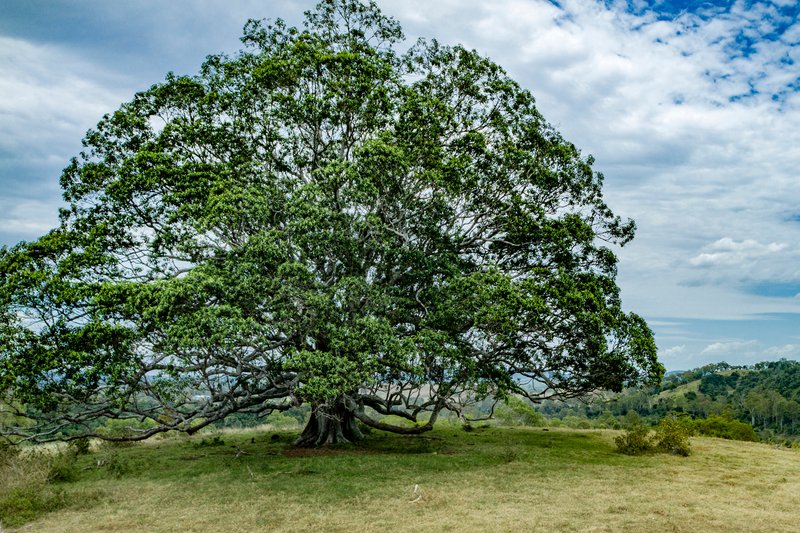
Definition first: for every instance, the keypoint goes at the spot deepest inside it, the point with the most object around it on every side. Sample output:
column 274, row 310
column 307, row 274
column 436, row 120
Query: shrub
column 635, row 440
column 114, row 465
column 672, row 436
column 725, row 427
column 23, row 504
column 216, row 440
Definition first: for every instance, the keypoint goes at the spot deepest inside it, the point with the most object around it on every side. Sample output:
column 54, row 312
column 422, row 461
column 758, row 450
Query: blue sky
column 691, row 109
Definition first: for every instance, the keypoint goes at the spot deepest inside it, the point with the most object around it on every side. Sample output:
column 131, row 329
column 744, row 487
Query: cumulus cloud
column 694, row 138
column 727, row 251
column 26, row 219
column 784, row 351
column 49, row 98
column 730, row 348
column 673, row 351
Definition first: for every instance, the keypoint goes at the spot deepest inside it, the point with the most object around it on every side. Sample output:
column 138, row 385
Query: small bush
column 672, row 436
column 510, row 455
column 25, row 503
column 26, row 484
column 635, row 440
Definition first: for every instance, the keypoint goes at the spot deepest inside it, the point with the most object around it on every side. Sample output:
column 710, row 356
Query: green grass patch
column 498, row 479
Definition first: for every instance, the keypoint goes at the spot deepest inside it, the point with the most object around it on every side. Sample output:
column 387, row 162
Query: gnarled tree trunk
column 330, row 424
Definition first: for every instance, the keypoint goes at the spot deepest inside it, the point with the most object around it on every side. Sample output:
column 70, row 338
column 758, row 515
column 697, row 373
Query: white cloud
column 785, row 351
column 727, row 251
column 673, row 351
column 28, row 218
column 730, row 348
column 48, row 99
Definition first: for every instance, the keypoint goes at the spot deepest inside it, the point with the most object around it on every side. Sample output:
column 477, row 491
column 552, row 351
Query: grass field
column 491, row 479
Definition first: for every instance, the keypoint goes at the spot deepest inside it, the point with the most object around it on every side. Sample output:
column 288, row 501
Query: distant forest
column 745, row 402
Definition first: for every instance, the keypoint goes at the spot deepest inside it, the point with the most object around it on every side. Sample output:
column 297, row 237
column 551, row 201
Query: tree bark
column 330, row 424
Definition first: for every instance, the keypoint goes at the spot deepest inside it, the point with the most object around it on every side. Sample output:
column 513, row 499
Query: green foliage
column 636, row 438
column 282, row 421
column 607, row 420
column 672, row 436
column 577, row 422
column 515, row 411
column 116, row 465
column 726, row 428
column 325, row 217
column 216, row 440
column 25, row 503
column 62, row 467
column 122, row 428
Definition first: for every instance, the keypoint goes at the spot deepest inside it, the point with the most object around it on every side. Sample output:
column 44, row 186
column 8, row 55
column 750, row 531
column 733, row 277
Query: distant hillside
column 765, row 395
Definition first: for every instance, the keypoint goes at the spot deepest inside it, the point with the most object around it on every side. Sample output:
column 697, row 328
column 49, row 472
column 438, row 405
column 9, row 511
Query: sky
column 690, row 108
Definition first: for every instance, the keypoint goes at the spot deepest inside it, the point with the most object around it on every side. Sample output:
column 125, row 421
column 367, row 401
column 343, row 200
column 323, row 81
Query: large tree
column 320, row 219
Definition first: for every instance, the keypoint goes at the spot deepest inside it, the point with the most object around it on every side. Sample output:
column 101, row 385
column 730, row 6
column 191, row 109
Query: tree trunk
column 330, row 424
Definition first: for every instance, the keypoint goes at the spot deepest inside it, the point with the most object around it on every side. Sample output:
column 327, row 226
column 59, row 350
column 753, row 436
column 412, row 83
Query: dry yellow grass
column 497, row 480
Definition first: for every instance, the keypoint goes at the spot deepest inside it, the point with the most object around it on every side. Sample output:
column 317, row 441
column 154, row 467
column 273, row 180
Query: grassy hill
column 680, row 390
column 491, row 479
column 760, row 402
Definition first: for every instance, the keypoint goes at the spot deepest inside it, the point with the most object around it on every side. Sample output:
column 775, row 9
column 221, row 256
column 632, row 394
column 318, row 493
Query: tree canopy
column 324, row 219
